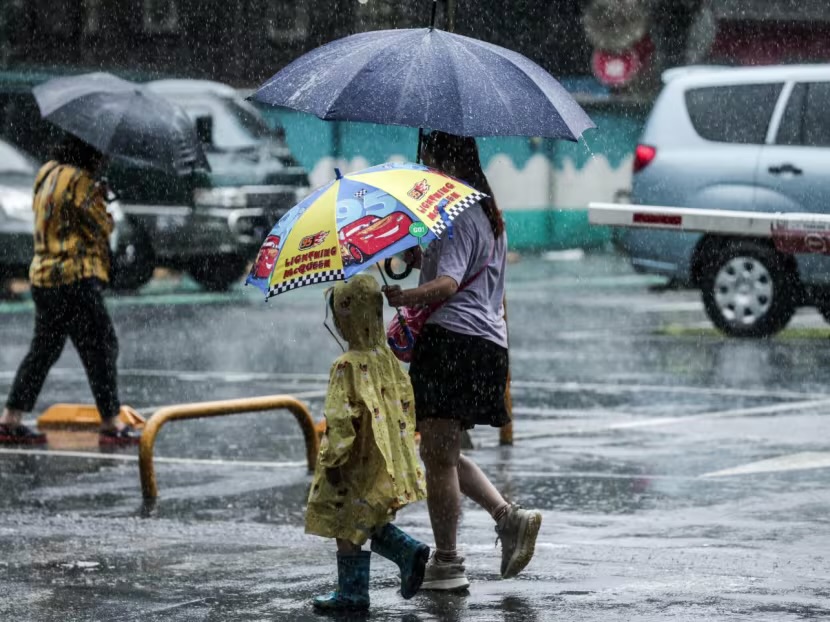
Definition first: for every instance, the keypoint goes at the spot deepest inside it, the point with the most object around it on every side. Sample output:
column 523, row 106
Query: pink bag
column 405, row 328
column 408, row 323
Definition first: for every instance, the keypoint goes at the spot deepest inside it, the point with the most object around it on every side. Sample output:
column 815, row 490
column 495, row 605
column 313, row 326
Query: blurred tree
column 671, row 23
column 244, row 40
column 635, row 40
column 549, row 33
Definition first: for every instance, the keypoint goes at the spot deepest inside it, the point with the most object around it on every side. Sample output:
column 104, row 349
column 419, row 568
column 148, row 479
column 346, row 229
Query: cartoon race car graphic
column 267, row 257
column 369, row 235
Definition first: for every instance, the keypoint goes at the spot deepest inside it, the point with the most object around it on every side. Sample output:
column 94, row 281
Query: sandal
column 124, row 437
column 20, row 435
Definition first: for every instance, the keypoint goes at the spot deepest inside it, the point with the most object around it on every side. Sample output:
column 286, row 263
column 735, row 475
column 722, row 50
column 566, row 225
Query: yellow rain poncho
column 370, row 426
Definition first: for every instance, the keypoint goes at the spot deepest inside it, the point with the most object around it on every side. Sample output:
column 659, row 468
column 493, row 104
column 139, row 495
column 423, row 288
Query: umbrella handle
column 396, row 276
column 410, row 340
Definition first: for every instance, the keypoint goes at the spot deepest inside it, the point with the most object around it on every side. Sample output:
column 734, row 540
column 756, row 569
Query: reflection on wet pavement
column 616, row 425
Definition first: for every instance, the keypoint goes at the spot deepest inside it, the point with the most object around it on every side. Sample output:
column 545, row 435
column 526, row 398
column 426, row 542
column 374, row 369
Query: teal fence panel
column 532, row 179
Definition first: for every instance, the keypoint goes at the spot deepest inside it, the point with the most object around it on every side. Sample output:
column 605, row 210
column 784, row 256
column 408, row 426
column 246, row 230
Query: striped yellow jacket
column 72, row 227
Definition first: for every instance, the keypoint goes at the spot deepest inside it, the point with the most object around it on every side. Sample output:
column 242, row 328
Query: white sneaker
column 517, row 532
column 445, row 576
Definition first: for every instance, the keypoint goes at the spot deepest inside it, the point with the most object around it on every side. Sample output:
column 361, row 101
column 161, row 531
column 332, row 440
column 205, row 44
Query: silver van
column 753, row 139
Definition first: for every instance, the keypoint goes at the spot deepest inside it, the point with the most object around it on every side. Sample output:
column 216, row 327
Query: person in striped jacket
column 70, row 268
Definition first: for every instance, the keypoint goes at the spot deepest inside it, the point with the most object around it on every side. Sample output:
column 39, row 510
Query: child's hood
column 358, row 312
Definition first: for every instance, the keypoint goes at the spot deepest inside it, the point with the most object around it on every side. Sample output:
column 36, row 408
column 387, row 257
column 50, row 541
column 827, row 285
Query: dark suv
column 208, row 224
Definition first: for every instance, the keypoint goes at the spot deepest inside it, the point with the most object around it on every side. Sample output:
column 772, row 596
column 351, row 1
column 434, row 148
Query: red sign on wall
column 620, row 68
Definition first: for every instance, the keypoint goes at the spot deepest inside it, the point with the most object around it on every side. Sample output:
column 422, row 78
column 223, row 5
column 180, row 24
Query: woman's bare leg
column 475, row 485
column 440, row 451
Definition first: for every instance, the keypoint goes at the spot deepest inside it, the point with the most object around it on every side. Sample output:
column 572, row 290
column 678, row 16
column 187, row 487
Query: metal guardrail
column 199, row 410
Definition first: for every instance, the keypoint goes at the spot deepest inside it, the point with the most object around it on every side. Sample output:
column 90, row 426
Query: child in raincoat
column 367, row 468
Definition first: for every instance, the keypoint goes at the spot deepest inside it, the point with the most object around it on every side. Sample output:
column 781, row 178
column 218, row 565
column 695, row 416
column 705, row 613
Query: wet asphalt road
column 682, row 476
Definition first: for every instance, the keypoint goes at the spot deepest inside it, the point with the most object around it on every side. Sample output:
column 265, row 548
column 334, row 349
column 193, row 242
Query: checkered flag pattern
column 361, row 193
column 308, row 279
column 454, row 210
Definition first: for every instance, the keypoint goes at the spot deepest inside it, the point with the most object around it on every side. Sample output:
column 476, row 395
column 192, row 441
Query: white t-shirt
column 478, row 309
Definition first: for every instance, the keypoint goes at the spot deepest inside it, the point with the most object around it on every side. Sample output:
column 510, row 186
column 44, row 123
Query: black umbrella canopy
column 122, row 119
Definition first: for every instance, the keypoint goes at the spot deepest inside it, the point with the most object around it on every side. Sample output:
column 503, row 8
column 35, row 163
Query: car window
column 738, row 113
column 789, row 132
column 805, row 121
column 230, row 133
column 249, row 118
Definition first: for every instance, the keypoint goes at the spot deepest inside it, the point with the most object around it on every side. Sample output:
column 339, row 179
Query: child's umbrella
column 358, row 220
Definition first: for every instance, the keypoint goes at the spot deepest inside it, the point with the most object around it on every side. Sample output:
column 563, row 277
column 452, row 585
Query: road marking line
column 662, row 421
column 229, row 376
column 794, row 462
column 599, row 387
column 299, row 464
column 643, row 305
column 599, row 475
column 148, row 411
column 620, row 280
column 542, row 385
column 89, row 455
column 151, row 299
column 531, row 411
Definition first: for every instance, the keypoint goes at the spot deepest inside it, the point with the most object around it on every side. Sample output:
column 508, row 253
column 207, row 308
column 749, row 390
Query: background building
column 245, row 41
column 611, row 53
column 625, row 44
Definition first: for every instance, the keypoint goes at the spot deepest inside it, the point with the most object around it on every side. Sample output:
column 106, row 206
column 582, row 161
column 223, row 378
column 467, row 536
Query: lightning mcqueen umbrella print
column 370, row 235
column 356, row 221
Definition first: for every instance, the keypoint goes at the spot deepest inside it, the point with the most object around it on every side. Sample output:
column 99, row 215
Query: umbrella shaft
column 397, row 309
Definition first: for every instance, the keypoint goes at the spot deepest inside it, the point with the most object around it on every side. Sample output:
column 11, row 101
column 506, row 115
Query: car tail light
column 643, row 155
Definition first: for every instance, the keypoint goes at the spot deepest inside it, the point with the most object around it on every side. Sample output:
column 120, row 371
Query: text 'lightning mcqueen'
column 367, row 236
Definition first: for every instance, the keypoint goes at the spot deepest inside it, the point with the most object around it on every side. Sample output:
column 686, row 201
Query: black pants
column 76, row 311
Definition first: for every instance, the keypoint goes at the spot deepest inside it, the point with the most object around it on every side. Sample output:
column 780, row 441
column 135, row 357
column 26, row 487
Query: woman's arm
column 430, row 292
column 90, row 206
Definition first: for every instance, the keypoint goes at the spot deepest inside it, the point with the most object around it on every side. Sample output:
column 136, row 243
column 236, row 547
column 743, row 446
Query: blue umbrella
column 428, row 78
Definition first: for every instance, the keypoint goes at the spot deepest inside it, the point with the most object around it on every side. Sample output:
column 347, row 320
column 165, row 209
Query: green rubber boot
column 352, row 593
column 409, row 554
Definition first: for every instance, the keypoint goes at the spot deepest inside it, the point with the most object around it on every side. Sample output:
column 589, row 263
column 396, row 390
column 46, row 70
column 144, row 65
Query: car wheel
column 132, row 265
column 356, row 254
column 748, row 290
column 216, row 273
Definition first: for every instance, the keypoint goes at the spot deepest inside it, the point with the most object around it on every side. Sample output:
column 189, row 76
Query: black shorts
column 459, row 377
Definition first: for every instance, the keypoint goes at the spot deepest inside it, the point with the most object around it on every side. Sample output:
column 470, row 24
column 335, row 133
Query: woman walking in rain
column 367, row 468
column 459, row 368
column 70, row 267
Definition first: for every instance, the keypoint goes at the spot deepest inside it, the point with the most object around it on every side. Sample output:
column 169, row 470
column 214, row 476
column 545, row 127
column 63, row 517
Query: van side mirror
column 204, row 129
